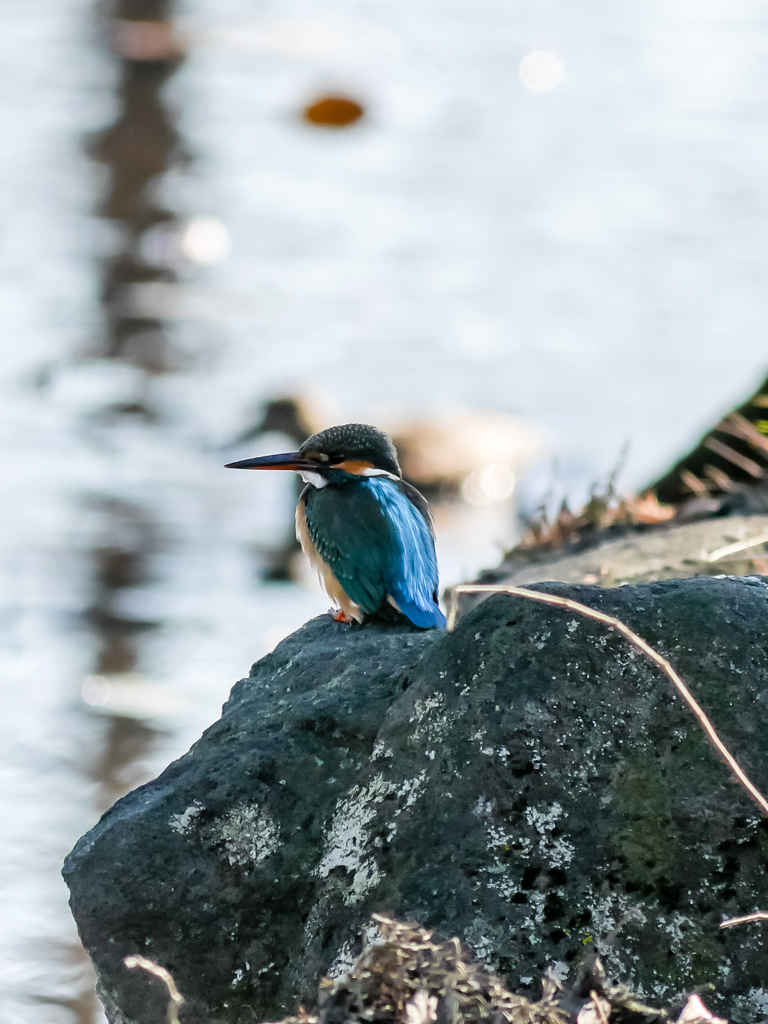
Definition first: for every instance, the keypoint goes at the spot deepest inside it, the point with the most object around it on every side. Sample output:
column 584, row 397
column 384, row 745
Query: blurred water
column 591, row 256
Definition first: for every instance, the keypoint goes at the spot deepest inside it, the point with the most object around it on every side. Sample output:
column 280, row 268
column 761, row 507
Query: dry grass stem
column 760, row 916
column 604, row 509
column 610, row 620
column 599, row 1008
column 175, row 998
column 408, row 977
column 732, row 549
column 405, row 976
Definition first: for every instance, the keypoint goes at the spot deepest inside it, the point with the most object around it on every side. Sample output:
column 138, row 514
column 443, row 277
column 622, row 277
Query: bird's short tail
column 424, row 617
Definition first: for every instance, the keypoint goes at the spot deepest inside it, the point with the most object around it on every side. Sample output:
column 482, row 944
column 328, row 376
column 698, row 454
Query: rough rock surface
column 644, row 554
column 529, row 783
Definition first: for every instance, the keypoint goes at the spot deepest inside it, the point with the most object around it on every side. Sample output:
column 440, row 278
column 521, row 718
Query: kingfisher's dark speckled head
column 352, row 446
column 336, row 456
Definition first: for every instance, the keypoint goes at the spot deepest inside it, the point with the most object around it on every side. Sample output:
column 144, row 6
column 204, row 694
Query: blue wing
column 376, row 536
column 412, row 579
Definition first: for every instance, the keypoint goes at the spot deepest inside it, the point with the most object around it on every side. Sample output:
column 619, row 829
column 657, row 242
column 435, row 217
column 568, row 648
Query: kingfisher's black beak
column 291, row 460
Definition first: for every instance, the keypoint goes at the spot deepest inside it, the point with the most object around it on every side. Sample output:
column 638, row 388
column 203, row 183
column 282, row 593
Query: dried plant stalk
column 598, row 1007
column 760, row 916
column 408, row 978
column 175, row 998
column 610, row 620
column 739, row 545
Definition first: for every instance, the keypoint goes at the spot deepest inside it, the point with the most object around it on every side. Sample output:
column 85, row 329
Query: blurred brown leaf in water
column 333, row 112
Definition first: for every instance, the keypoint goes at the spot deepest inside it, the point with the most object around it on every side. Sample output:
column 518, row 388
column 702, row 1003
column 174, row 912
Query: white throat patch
column 309, row 477
column 378, row 472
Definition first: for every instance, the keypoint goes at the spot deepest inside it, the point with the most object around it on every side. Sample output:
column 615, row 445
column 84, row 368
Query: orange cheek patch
column 354, row 466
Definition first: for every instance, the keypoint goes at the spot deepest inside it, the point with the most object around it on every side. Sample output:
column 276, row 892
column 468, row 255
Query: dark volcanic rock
column 530, row 783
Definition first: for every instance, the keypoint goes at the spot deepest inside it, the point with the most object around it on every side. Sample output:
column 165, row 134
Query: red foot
column 339, row 615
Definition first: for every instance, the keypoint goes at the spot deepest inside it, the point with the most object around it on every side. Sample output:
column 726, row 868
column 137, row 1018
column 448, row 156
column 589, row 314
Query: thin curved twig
column 610, row 620
column 175, row 998
column 761, row 916
column 599, row 1008
column 732, row 549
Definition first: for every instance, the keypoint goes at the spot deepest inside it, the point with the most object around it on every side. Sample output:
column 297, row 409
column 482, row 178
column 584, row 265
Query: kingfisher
column 367, row 532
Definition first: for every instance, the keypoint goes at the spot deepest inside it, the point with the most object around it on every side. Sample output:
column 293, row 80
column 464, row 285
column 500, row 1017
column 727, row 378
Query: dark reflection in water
column 119, row 769
column 137, row 149
column 84, row 1007
column 122, row 560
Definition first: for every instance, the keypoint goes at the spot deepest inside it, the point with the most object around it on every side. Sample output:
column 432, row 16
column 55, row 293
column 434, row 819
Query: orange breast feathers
column 332, row 586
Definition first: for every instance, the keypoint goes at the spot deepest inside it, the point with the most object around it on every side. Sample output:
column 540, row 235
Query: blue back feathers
column 378, row 541
column 413, row 578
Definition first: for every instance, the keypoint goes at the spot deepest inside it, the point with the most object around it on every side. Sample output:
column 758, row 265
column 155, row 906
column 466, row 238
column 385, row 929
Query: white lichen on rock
column 347, row 956
column 559, row 970
column 247, row 833
column 343, row 961
column 557, row 851
column 758, row 997
column 349, row 845
column 347, row 839
column 500, row 842
column 429, row 720
column 410, row 789
column 482, row 943
column 183, row 823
